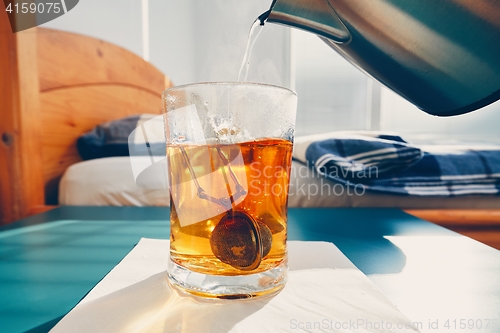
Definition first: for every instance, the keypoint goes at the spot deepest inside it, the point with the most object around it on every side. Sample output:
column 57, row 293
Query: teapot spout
column 316, row 16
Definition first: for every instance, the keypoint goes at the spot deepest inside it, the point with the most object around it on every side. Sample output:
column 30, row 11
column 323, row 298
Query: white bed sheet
column 110, row 182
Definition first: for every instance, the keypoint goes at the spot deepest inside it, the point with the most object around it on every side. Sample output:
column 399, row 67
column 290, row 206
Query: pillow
column 112, row 138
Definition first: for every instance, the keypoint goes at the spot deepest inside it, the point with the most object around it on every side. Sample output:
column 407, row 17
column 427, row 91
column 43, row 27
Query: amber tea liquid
column 261, row 168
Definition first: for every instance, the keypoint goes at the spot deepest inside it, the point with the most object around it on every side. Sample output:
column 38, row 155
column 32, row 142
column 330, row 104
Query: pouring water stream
column 252, row 38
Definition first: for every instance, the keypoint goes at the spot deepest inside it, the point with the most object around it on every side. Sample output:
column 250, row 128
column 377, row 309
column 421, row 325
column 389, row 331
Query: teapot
column 442, row 56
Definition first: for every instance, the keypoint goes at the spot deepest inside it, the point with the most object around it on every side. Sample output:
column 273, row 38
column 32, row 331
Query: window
column 334, row 95
column 480, row 126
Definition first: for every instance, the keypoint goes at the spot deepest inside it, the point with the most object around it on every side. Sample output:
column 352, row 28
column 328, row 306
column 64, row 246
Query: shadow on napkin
column 326, row 297
column 323, row 287
column 153, row 306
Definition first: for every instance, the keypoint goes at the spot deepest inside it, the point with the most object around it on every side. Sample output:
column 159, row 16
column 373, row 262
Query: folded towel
column 355, row 158
column 386, row 163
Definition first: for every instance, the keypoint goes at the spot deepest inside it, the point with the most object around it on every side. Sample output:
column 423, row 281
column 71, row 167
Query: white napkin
column 325, row 292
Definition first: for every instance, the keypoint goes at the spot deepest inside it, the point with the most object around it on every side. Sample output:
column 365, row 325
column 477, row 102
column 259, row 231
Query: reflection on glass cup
column 229, row 151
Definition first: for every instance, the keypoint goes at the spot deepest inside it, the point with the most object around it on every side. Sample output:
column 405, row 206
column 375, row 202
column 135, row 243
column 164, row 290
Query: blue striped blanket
column 388, row 164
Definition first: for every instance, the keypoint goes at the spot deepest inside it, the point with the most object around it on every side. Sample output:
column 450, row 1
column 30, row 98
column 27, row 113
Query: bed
column 60, row 85
column 111, row 182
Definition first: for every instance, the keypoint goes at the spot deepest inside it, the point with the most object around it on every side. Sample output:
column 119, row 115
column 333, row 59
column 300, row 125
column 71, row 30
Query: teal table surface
column 48, row 262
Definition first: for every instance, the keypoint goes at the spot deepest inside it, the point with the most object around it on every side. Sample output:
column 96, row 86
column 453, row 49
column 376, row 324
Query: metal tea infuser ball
column 238, row 239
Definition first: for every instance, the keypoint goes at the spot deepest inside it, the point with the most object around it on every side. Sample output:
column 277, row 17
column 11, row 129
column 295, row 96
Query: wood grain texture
column 488, row 237
column 85, row 82
column 459, row 217
column 68, row 113
column 67, row 59
column 20, row 153
column 481, row 225
column 29, row 122
column 8, row 68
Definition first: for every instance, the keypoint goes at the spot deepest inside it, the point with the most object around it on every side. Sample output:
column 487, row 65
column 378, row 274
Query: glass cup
column 229, row 152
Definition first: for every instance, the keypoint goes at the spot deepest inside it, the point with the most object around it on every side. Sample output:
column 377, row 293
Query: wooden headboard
column 85, row 82
column 59, row 86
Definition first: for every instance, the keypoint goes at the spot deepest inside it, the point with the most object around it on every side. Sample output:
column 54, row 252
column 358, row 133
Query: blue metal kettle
column 441, row 55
